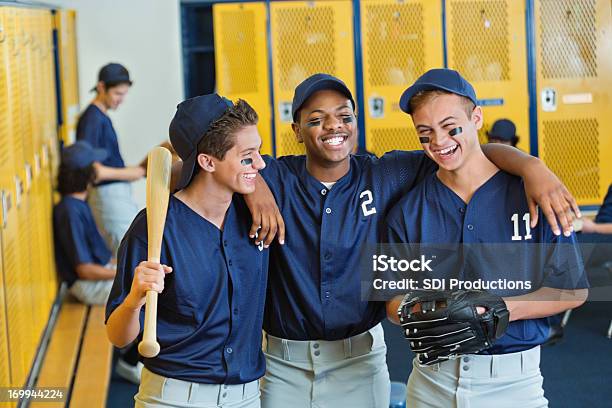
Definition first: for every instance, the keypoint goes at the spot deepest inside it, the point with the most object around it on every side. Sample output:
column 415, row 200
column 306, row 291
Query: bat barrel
column 159, row 163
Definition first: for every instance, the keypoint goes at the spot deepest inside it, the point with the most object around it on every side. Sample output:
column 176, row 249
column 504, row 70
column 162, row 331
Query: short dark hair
column 71, row 181
column 111, row 84
column 221, row 135
column 423, row 97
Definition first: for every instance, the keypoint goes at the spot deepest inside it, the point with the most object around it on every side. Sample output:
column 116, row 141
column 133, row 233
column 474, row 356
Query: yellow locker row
column 28, row 149
column 487, row 41
column 65, row 21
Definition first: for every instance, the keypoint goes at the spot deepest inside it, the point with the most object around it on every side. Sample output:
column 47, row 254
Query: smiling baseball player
column 211, row 301
column 471, row 201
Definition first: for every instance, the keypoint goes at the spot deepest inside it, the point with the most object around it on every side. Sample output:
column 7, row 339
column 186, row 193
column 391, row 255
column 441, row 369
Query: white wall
column 143, row 35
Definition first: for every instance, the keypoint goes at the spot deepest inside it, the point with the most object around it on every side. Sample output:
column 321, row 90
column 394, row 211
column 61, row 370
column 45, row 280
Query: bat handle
column 149, row 347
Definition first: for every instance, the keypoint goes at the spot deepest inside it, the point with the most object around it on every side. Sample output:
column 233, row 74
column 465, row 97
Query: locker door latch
column 28, row 173
column 377, row 107
column 549, row 100
column 18, row 191
column 45, row 155
column 4, row 208
column 284, row 111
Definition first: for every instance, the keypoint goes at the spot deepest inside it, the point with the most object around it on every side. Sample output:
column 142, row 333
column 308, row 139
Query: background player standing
column 111, row 199
column 210, row 308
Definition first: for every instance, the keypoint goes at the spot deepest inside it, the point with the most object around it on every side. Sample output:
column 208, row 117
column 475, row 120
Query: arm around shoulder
column 542, row 187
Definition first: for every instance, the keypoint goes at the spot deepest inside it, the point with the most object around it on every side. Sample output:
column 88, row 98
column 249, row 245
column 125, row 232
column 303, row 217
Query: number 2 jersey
column 314, row 285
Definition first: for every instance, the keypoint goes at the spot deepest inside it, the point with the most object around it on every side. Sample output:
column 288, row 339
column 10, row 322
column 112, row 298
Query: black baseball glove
column 448, row 325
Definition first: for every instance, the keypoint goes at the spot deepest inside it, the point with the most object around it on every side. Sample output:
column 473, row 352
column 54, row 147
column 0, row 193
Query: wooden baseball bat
column 158, row 193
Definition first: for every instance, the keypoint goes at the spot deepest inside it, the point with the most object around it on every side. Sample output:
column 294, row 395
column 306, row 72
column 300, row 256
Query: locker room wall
column 144, row 35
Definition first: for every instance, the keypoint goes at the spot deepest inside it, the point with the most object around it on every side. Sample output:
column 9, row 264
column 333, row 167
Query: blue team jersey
column 96, row 127
column 210, row 312
column 77, row 239
column 604, row 215
column 314, row 280
column 497, row 216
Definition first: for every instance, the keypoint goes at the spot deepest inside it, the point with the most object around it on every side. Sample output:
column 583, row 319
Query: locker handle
column 4, row 208
column 45, row 155
column 18, row 191
column 37, row 165
column 28, row 173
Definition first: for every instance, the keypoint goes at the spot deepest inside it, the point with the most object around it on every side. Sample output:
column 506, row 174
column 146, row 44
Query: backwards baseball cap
column 503, row 129
column 314, row 83
column 81, row 154
column 113, row 73
column 190, row 124
column 440, row 78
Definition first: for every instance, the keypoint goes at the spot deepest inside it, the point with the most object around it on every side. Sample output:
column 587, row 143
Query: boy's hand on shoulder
column 544, row 189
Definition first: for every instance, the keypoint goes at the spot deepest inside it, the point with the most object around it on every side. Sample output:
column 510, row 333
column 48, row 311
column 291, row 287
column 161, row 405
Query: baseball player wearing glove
column 475, row 348
column 441, row 325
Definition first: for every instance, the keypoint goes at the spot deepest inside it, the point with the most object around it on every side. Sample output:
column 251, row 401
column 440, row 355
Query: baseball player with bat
column 210, row 276
column 476, row 348
column 325, row 345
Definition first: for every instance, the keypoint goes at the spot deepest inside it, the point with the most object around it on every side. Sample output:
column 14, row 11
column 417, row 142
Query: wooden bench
column 78, row 358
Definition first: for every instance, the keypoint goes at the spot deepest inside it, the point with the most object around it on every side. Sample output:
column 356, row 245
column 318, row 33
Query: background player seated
column 82, row 257
column 471, row 201
column 210, row 308
column 83, row 260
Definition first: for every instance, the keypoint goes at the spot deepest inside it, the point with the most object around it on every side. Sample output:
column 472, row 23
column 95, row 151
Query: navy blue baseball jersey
column 604, row 215
column 96, row 127
column 314, row 289
column 210, row 312
column 77, row 239
column 497, row 244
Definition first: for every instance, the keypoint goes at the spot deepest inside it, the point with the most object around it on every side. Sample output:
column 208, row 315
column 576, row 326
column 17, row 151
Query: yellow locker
column 5, row 171
column 487, row 45
column 401, row 40
column 29, row 258
column 25, row 76
column 308, row 37
column 241, row 62
column 37, row 241
column 65, row 22
column 51, row 150
column 18, row 308
column 15, row 40
column 6, row 149
column 5, row 368
column 574, row 81
column 49, row 140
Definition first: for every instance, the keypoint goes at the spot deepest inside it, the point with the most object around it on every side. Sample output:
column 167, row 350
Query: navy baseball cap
column 81, row 154
column 190, row 123
column 114, row 73
column 503, row 129
column 439, row 78
column 314, row 83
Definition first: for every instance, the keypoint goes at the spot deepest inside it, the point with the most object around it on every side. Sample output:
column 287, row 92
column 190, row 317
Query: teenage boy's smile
column 334, row 141
column 447, row 152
